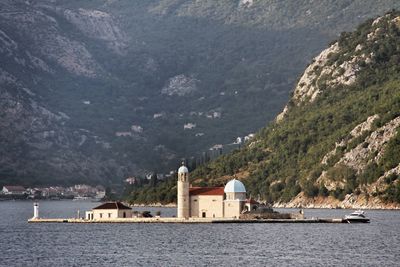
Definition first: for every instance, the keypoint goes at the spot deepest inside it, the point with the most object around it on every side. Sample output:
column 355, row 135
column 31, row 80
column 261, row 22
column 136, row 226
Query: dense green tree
column 286, row 157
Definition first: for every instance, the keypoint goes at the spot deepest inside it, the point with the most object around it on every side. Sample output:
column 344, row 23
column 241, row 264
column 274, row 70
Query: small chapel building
column 109, row 210
column 210, row 202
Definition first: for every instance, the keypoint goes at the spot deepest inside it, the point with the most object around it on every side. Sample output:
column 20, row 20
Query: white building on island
column 192, row 202
column 109, row 210
column 209, row 202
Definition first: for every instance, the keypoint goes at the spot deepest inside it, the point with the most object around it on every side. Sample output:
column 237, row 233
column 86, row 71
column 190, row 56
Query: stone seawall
column 271, row 215
column 187, row 221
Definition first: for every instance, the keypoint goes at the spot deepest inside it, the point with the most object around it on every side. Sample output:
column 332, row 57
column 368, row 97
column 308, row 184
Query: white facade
column 35, row 210
column 111, row 214
column 13, row 190
column 108, row 211
column 235, row 198
column 209, row 202
column 183, row 192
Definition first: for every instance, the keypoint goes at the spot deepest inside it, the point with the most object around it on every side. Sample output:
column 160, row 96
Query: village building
column 251, row 205
column 211, row 202
column 131, row 180
column 109, row 210
column 13, row 190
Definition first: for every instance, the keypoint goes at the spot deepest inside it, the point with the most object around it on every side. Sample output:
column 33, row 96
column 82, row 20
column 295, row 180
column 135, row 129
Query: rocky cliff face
column 99, row 25
column 38, row 145
column 100, row 90
column 368, row 142
column 336, row 144
column 42, row 34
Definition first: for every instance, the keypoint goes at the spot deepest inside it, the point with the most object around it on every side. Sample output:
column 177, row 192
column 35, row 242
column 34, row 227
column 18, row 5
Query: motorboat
column 357, row 216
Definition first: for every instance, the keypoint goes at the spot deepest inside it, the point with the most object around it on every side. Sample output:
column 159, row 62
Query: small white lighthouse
column 35, row 210
column 183, row 192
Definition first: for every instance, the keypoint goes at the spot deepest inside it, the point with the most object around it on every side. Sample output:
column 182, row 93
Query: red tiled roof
column 251, row 201
column 112, row 206
column 208, row 191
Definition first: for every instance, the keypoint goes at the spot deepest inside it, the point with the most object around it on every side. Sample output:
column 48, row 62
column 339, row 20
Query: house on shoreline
column 13, row 190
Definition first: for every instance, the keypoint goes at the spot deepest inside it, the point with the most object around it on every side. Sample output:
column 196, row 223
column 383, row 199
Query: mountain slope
column 337, row 141
column 100, row 90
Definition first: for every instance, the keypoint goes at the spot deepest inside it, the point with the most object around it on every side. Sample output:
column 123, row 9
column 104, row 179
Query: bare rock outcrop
column 326, row 71
column 355, row 133
column 359, row 157
column 381, row 185
column 246, row 3
column 307, row 86
column 100, row 25
column 351, row 201
column 180, row 85
column 43, row 32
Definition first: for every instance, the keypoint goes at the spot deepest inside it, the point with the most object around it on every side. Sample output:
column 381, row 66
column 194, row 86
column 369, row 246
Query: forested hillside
column 337, row 141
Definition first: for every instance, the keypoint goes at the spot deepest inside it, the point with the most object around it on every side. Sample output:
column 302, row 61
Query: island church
column 211, row 202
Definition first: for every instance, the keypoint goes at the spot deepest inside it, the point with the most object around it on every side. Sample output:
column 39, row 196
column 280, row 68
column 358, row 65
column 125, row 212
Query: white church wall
column 212, row 206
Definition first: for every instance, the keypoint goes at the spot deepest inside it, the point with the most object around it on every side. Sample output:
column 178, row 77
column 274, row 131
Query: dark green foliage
column 391, row 178
column 310, row 131
column 153, row 180
column 351, row 184
column 323, row 191
column 164, row 193
column 310, row 189
column 356, row 141
column 392, row 193
column 341, row 173
column 371, row 173
column 290, row 192
column 391, row 157
column 287, row 154
column 339, row 194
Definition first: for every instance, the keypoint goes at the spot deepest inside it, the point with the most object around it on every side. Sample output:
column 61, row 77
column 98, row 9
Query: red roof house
column 13, row 190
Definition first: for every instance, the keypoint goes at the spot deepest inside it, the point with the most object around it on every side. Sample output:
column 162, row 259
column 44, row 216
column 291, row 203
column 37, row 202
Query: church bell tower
column 183, row 192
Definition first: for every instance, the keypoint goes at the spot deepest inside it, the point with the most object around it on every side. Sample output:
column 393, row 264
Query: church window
column 109, row 215
column 101, row 215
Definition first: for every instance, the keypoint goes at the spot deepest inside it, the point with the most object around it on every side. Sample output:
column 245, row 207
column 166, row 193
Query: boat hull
column 356, row 220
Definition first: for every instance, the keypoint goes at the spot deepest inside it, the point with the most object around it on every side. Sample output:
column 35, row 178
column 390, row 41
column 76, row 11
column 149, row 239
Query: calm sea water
column 23, row 244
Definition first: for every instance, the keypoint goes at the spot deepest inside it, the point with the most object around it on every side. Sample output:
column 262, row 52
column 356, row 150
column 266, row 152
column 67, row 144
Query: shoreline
column 154, row 205
column 333, row 207
column 288, row 205
column 175, row 220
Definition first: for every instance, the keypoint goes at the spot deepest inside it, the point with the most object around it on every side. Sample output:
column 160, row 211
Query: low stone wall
column 270, row 215
column 192, row 220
